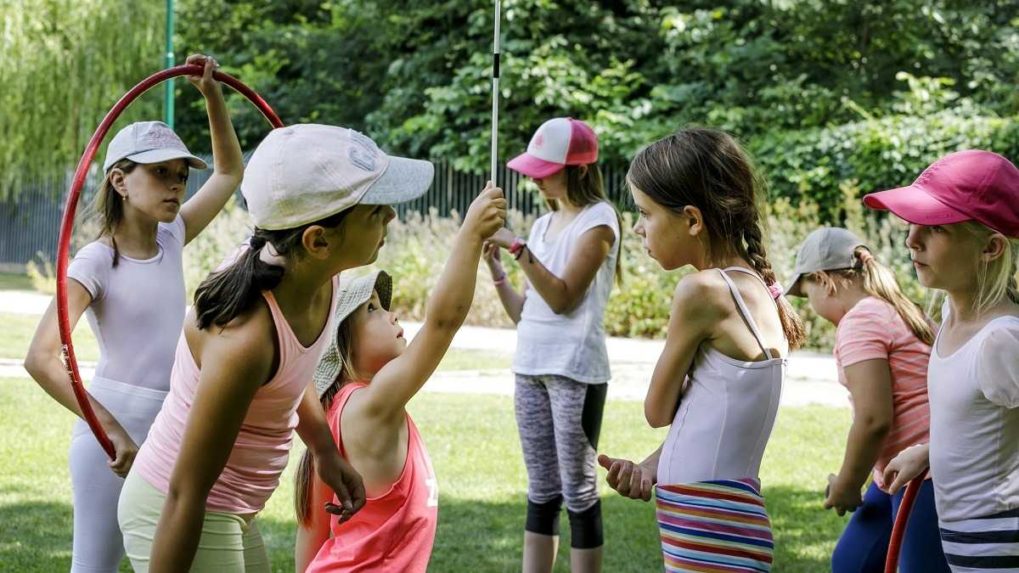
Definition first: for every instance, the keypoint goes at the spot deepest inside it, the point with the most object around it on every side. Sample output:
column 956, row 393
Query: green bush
column 417, row 248
column 876, row 153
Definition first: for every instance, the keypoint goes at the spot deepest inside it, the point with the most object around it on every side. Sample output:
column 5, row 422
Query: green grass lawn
column 16, row 332
column 15, row 281
column 474, row 448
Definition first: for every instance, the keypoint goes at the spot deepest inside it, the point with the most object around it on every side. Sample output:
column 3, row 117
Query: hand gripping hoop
column 67, row 223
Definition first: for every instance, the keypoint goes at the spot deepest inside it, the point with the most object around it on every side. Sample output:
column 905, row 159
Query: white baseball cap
column 148, row 142
column 559, row 142
column 303, row 173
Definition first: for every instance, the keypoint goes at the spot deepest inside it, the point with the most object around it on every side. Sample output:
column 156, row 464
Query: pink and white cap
column 558, row 142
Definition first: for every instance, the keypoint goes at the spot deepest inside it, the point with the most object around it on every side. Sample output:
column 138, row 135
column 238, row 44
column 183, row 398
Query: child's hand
column 124, row 449
column 629, row 479
column 345, row 482
column 840, row 498
column 910, row 463
column 492, row 255
column 205, row 82
column 487, row 212
column 504, row 238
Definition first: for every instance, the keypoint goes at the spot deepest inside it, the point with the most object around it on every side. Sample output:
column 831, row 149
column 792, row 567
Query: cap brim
column 533, row 167
column 160, row 155
column 794, row 287
column 403, row 180
column 915, row 205
column 352, row 295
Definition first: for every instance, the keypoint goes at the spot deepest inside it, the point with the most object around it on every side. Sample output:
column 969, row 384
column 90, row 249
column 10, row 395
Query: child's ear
column 694, row 219
column 995, row 247
column 315, row 241
column 117, row 181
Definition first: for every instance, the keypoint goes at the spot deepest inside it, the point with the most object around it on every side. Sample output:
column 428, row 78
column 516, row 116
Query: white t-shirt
column 570, row 344
column 137, row 307
column 974, row 402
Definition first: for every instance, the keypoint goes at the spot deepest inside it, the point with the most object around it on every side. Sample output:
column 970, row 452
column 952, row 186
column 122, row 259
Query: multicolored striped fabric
column 982, row 544
column 717, row 526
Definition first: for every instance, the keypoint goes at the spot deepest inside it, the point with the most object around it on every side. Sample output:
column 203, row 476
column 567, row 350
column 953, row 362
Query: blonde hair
column 878, row 281
column 996, row 279
column 306, row 467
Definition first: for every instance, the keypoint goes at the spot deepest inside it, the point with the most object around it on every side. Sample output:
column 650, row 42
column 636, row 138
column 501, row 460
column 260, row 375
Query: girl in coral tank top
column 365, row 379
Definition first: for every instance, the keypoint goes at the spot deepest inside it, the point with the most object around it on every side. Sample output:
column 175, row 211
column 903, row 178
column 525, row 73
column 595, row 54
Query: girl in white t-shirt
column 131, row 283
column 561, row 363
column 963, row 212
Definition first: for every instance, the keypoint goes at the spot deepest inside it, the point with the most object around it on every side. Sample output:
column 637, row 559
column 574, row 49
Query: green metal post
column 168, row 89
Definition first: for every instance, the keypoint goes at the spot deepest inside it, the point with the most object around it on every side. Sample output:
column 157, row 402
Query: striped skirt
column 982, row 544
column 714, row 526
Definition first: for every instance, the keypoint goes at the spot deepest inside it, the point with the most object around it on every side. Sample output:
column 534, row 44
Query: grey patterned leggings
column 559, row 420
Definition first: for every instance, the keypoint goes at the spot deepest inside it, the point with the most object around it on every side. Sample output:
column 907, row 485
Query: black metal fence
column 30, row 224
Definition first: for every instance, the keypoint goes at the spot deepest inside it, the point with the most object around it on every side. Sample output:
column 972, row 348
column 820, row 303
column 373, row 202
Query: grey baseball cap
column 148, row 142
column 826, row 249
column 353, row 293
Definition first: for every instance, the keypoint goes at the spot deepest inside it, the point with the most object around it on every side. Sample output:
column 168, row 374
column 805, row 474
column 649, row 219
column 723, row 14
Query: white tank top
column 726, row 413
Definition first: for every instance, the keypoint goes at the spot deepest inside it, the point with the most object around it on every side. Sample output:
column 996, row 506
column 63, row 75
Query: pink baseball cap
column 970, row 185
column 558, row 142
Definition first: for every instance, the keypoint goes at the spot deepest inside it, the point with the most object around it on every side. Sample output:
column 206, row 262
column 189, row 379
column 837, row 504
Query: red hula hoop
column 901, row 519
column 67, row 223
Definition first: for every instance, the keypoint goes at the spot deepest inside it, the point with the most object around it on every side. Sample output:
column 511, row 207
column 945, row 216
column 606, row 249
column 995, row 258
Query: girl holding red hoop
column 130, row 283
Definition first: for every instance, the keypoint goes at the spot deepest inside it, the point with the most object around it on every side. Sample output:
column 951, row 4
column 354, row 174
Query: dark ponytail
column 225, row 294
column 109, row 205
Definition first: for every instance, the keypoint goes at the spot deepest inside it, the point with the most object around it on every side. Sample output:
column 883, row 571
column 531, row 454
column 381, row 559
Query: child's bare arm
column 695, row 309
column 312, row 535
column 870, row 384
column 228, row 165
column 397, row 382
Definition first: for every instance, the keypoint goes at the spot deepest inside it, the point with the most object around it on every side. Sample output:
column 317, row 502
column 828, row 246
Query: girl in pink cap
column 963, row 212
column 561, row 362
column 719, row 378
column 130, row 284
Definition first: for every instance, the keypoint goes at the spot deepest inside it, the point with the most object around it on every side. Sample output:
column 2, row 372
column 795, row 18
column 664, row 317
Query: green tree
column 63, row 64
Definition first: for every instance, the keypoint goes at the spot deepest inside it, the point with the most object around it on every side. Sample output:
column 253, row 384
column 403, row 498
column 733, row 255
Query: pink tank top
column 394, row 531
column 262, row 448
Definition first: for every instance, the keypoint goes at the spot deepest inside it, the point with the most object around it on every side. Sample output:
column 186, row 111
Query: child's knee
column 586, row 530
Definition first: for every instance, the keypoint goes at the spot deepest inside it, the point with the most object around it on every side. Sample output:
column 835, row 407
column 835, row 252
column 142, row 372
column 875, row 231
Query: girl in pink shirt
column 365, row 380
column 882, row 346
column 320, row 198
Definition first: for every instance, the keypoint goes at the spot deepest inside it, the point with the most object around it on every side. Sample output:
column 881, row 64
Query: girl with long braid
column 720, row 375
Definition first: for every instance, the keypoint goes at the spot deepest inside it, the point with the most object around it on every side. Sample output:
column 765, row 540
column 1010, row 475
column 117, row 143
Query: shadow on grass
column 486, row 536
column 35, row 536
column 476, row 536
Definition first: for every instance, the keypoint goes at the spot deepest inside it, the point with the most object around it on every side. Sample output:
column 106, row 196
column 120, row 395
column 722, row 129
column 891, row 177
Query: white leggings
column 98, row 544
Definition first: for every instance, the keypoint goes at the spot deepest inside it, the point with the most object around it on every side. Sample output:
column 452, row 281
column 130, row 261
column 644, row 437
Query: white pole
column 495, row 92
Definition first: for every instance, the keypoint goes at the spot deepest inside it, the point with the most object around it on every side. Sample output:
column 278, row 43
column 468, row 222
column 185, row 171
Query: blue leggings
column 864, row 543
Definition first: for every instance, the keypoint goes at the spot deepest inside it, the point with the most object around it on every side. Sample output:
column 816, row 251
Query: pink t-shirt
column 262, row 448
column 874, row 330
column 394, row 531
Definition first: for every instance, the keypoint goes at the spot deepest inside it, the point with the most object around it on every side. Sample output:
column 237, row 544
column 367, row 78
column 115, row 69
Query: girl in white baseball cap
column 320, row 198
column 130, row 282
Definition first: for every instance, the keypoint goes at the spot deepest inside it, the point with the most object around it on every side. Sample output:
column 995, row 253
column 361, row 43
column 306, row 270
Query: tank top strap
column 289, row 345
column 741, row 305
